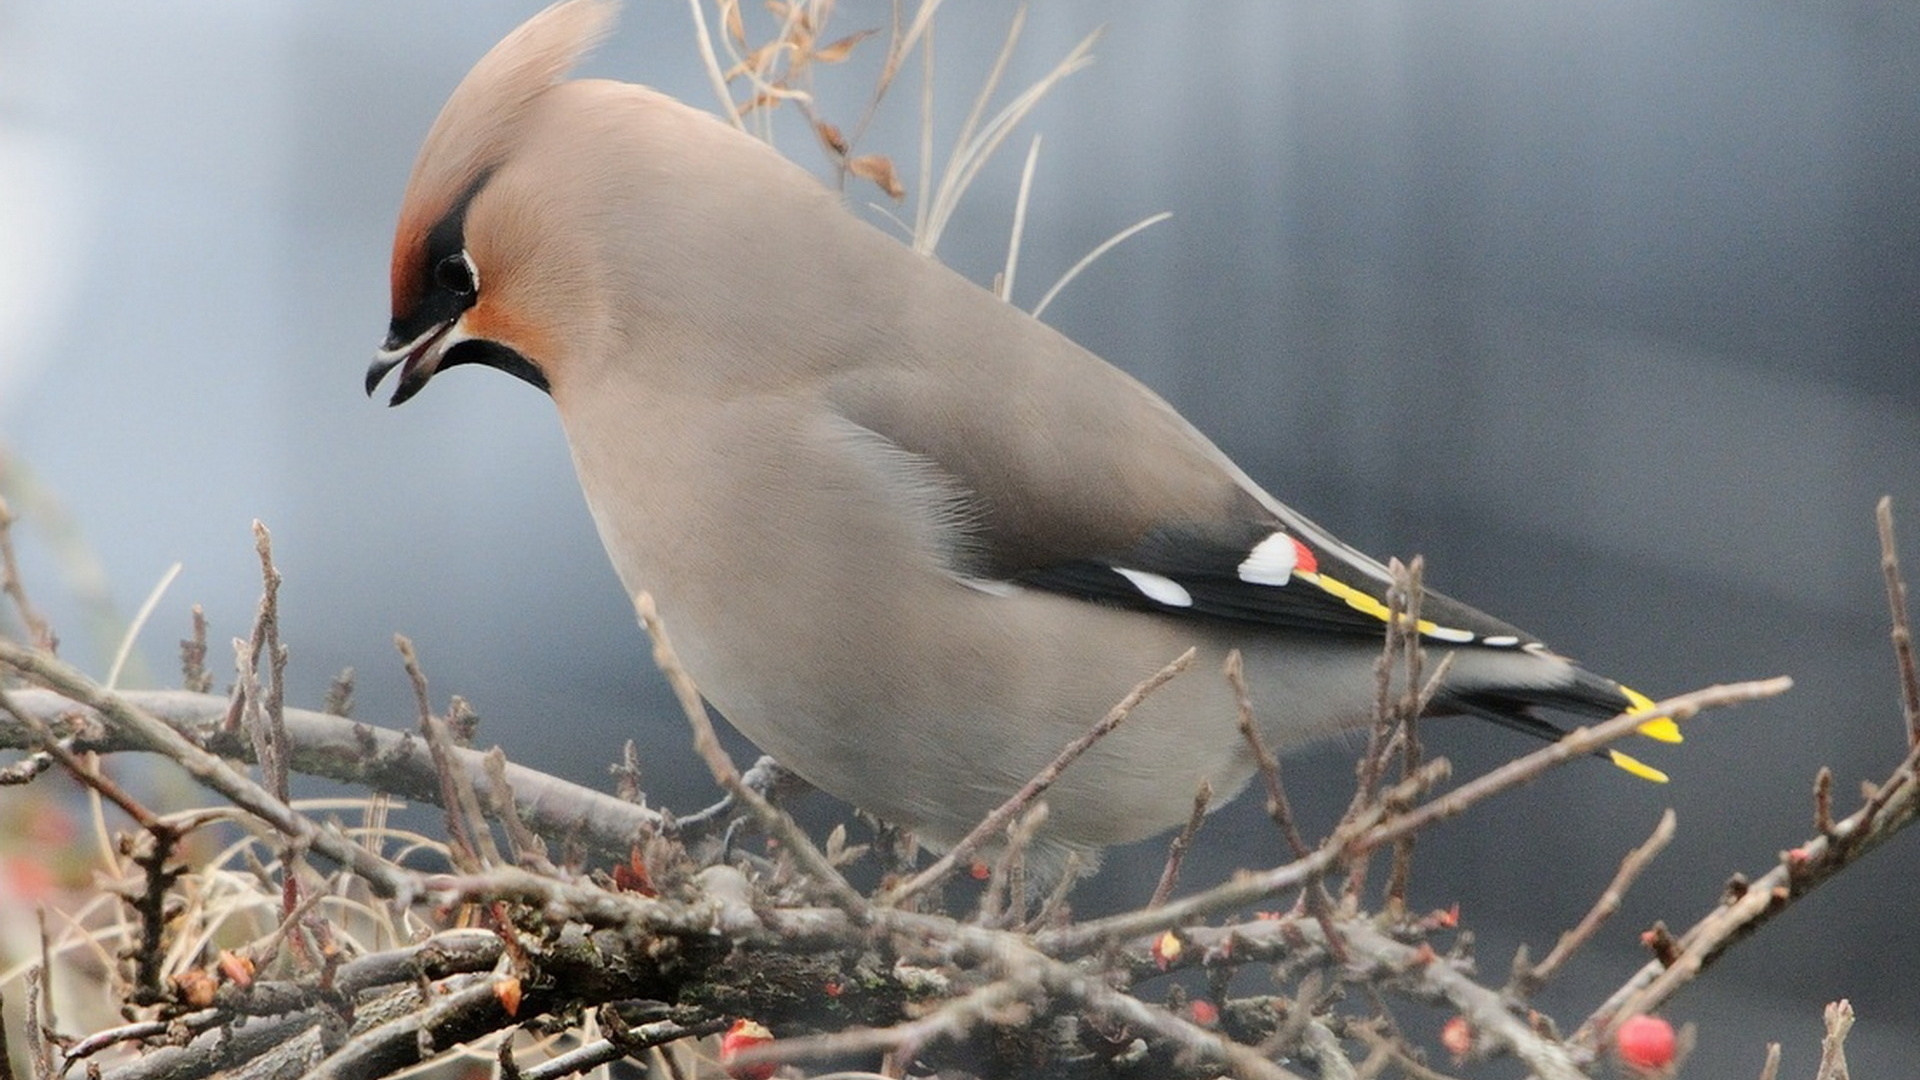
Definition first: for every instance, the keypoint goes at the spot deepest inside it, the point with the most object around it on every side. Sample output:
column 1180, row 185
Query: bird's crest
column 481, row 122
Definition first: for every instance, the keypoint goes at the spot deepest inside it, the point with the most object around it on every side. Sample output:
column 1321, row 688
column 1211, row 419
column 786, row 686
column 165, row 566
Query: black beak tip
column 405, row 391
column 377, row 371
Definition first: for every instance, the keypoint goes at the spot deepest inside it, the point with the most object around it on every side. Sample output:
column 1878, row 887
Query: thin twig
column 771, row 818
column 39, row 1048
column 1823, row 801
column 1177, row 851
column 267, row 634
column 1243, row 1061
column 1371, row 770
column 995, row 822
column 604, row 1051
column 1833, row 1045
column 527, row 847
column 1488, row 1010
column 950, row 1019
column 1902, row 630
column 1603, row 908
column 1892, row 807
column 1278, row 808
column 1003, row 901
column 1408, row 582
column 193, row 655
column 82, row 770
column 1242, row 890
column 1578, row 743
column 38, row 630
column 468, row 837
column 1366, row 830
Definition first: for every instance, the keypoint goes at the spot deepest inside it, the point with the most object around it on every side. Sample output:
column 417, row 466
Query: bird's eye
column 457, row 274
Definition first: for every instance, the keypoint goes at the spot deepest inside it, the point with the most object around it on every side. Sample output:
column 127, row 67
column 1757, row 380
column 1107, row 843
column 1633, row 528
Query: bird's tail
column 1584, row 694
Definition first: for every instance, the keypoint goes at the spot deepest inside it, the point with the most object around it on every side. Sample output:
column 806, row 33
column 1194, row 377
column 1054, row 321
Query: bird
column 906, row 537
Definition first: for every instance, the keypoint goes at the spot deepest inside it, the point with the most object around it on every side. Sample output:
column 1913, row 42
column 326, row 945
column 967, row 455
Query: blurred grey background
column 1609, row 310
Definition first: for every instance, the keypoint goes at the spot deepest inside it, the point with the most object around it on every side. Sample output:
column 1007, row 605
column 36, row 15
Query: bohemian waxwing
column 907, row 538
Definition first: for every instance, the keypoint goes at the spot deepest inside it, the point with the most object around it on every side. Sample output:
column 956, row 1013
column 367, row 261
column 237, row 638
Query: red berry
column 1645, row 1042
column 744, row 1035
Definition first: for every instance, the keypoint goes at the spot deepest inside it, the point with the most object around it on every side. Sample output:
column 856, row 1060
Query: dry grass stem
column 710, row 62
column 1094, row 255
column 125, row 650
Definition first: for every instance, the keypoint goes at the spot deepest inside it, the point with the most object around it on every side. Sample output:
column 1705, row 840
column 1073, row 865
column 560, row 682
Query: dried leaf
column 237, row 968
column 507, row 992
column 831, row 137
column 878, row 168
column 632, row 876
column 762, row 100
column 837, row 51
column 195, row 987
column 758, row 62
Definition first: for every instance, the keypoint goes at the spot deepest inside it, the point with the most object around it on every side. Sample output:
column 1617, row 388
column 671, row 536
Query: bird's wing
column 1081, row 481
column 1103, row 492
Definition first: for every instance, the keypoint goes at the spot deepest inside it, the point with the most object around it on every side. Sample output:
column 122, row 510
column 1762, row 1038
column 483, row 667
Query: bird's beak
column 417, row 360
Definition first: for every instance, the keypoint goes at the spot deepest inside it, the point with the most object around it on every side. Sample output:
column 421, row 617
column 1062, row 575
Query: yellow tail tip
column 1638, row 768
column 1660, row 728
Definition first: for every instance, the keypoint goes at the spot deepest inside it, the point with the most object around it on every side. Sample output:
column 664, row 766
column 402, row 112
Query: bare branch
column 1902, row 630
column 1603, row 908
column 1833, row 1045
column 381, row 759
column 1892, row 807
column 207, row 768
